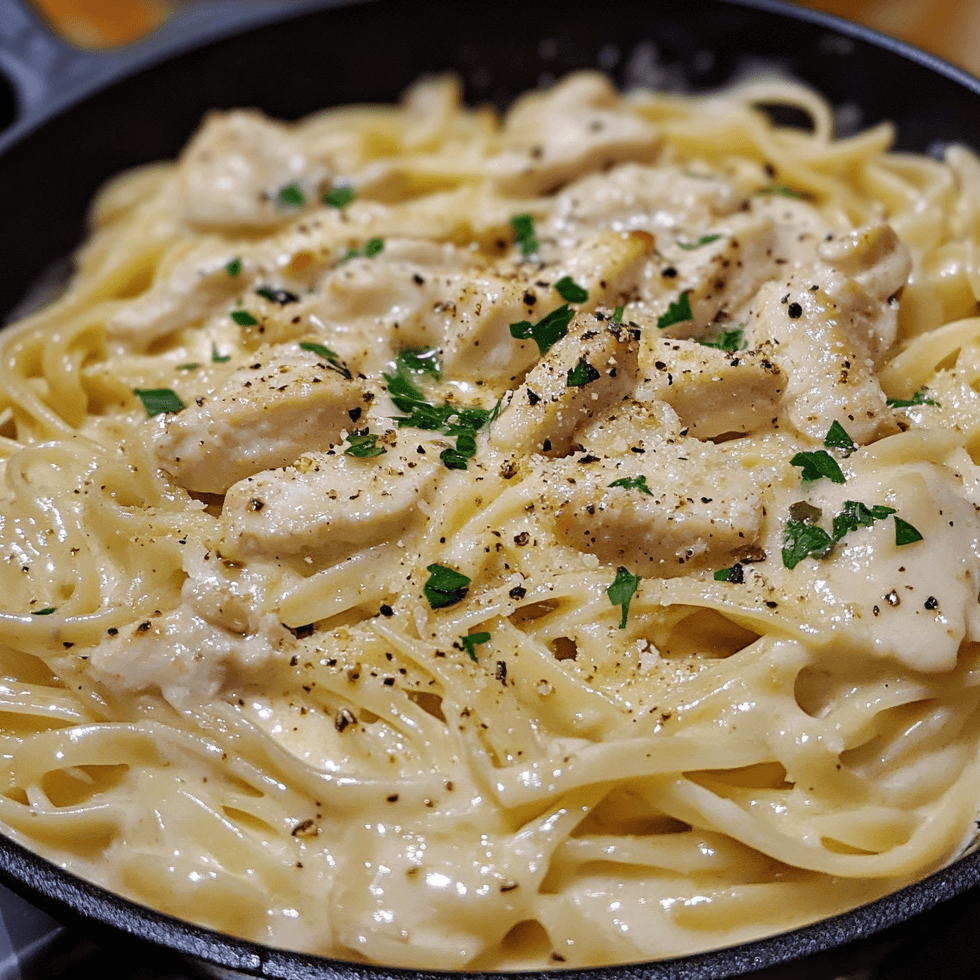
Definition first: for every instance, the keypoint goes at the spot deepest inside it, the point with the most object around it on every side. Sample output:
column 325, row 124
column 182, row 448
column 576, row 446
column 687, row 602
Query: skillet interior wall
column 371, row 51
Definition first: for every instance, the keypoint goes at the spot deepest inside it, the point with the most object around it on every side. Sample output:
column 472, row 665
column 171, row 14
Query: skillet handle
column 41, row 74
column 36, row 65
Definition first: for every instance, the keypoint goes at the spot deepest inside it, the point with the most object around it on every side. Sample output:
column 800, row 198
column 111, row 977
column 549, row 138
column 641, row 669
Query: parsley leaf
column 817, row 464
column 193, row 366
column 156, row 401
column 730, row 340
column 523, row 225
column 339, row 197
column 218, row 358
column 328, row 355
column 471, row 642
column 781, row 190
column 234, row 267
column 371, row 248
column 905, row 533
column 445, row 586
column 364, row 447
column 459, row 422
column 633, row 483
column 919, row 398
column 580, row 375
column 243, row 318
column 43, row 612
column 703, row 240
column 547, row 331
column 677, row 312
column 570, row 290
column 280, row 296
column 420, row 360
column 837, row 438
column 290, row 196
column 801, row 540
column 622, row 591
column 617, row 316
column 733, row 574
column 855, row 515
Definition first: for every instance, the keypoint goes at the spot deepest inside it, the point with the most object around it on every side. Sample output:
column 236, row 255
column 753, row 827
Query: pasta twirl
column 473, row 543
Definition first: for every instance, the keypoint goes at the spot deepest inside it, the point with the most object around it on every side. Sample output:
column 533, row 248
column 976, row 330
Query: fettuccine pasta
column 462, row 542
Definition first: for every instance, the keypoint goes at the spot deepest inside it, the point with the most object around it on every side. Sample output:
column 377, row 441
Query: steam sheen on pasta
column 473, row 543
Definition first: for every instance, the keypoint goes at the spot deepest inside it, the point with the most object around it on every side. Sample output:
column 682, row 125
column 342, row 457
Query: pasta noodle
column 469, row 543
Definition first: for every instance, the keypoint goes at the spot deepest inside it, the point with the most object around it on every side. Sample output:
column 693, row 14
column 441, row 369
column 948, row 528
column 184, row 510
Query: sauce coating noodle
column 469, row 543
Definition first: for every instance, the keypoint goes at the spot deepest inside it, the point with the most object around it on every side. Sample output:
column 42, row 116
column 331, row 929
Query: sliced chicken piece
column 607, row 266
column 875, row 259
column 829, row 373
column 920, row 596
column 233, row 172
column 715, row 279
column 575, row 126
column 633, row 196
column 583, row 375
column 285, row 402
column 186, row 291
column 329, row 504
column 830, row 329
column 675, row 502
column 713, row 391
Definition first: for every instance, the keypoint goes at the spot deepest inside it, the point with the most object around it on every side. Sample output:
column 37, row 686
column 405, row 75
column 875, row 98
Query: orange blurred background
column 949, row 28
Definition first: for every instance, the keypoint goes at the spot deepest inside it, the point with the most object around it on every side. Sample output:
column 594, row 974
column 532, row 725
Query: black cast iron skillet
column 71, row 119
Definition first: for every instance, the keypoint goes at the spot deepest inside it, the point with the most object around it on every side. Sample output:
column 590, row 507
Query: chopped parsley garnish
column 837, row 438
column 781, row 190
column 471, row 642
column 156, row 401
column 455, row 421
column 803, row 538
column 622, row 591
column 421, row 361
column 703, row 240
column 280, row 296
column 371, row 248
column 328, row 355
column 570, row 290
column 523, row 225
column 855, row 515
column 445, row 586
column 582, row 374
column 547, row 331
column 905, row 533
column 319, row 349
column 816, row 464
column 234, row 267
column 633, row 483
column 290, row 196
column 730, row 340
column 678, row 312
column 919, row 398
column 617, row 316
column 43, row 612
column 339, row 197
column 218, row 358
column 364, row 447
column 733, row 574
column 243, row 318
column 193, row 366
